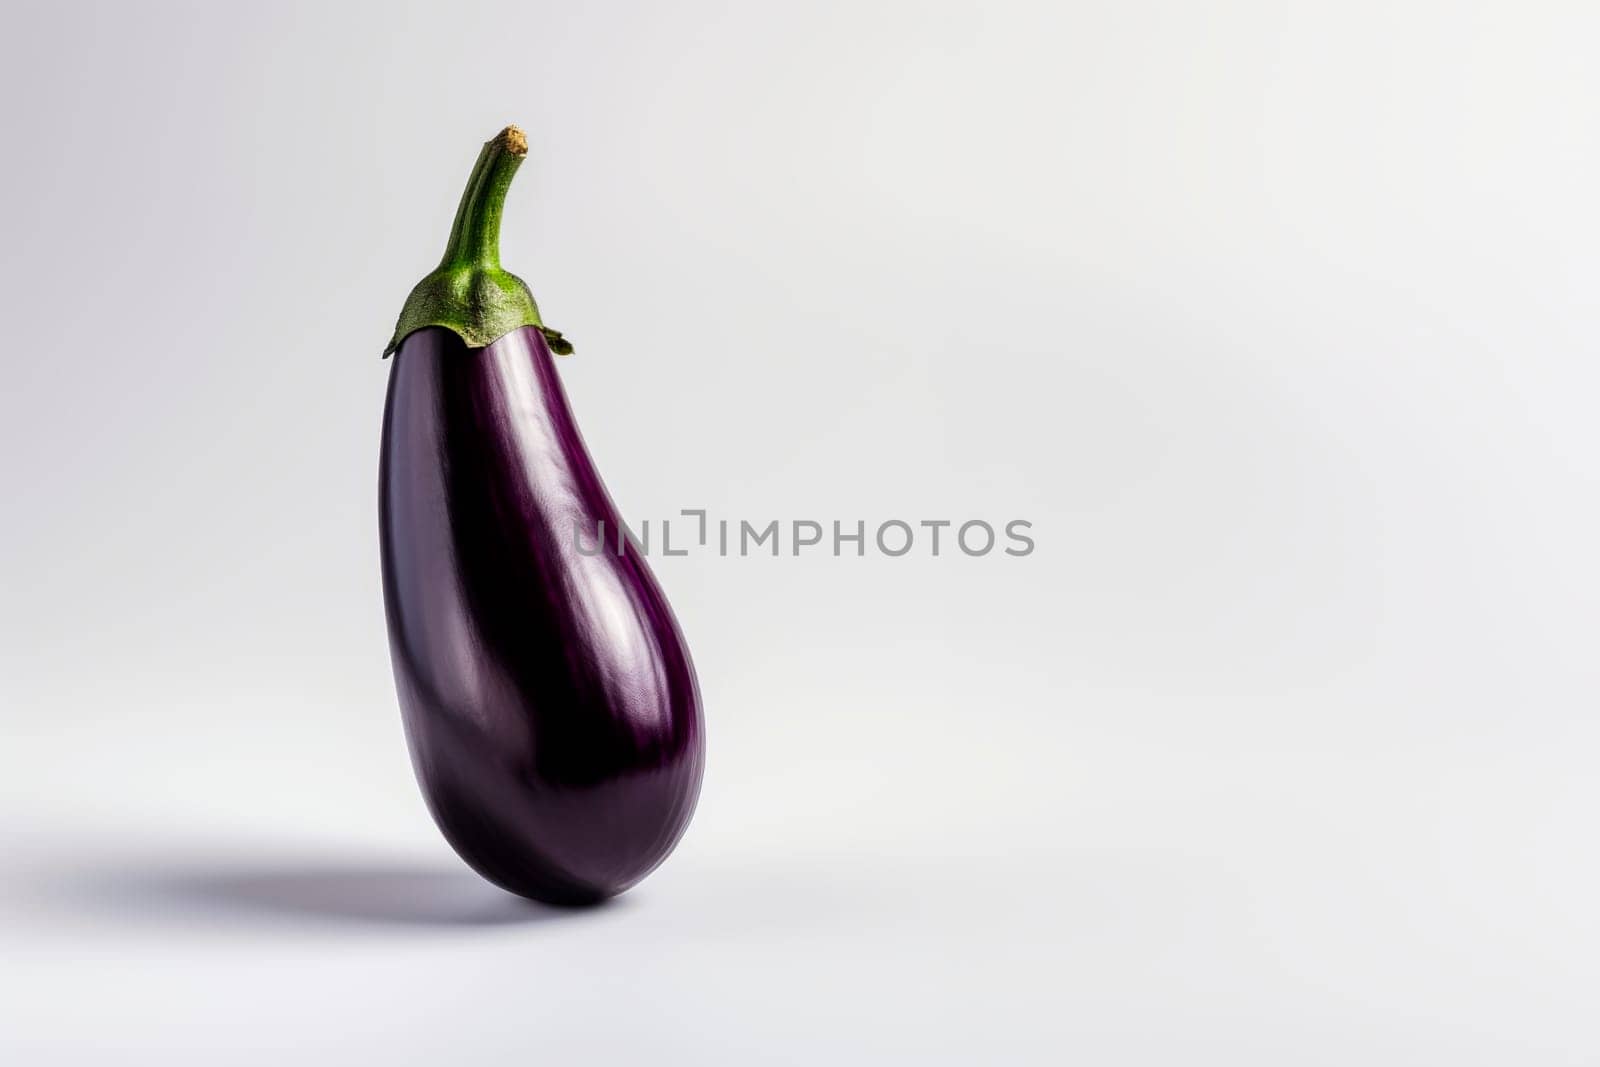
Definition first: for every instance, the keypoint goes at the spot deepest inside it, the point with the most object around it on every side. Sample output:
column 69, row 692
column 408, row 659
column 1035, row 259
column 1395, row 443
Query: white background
column 1278, row 321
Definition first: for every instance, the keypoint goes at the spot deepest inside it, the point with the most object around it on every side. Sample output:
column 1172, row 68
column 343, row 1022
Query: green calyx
column 469, row 292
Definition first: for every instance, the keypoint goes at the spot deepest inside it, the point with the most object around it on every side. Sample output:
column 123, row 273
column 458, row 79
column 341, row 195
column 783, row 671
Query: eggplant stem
column 475, row 236
column 469, row 292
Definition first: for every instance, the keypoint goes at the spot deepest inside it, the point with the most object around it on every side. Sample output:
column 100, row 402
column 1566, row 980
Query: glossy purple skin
column 549, row 702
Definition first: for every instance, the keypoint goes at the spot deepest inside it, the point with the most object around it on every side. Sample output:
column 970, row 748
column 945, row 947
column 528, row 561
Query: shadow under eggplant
column 303, row 891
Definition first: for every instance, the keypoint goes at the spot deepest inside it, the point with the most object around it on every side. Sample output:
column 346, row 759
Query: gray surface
column 1277, row 320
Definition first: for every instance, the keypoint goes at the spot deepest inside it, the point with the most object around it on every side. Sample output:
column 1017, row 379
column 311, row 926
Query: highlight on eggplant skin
column 549, row 702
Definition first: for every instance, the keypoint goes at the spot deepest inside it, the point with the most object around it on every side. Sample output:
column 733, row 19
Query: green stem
column 469, row 292
column 475, row 237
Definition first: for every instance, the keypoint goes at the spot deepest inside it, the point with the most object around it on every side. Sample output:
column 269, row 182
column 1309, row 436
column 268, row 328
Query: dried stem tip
column 515, row 140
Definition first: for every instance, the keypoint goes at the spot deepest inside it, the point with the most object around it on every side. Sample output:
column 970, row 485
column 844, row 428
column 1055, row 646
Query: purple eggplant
column 548, row 697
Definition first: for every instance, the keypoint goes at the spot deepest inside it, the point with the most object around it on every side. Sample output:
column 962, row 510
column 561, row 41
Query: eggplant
column 550, row 706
